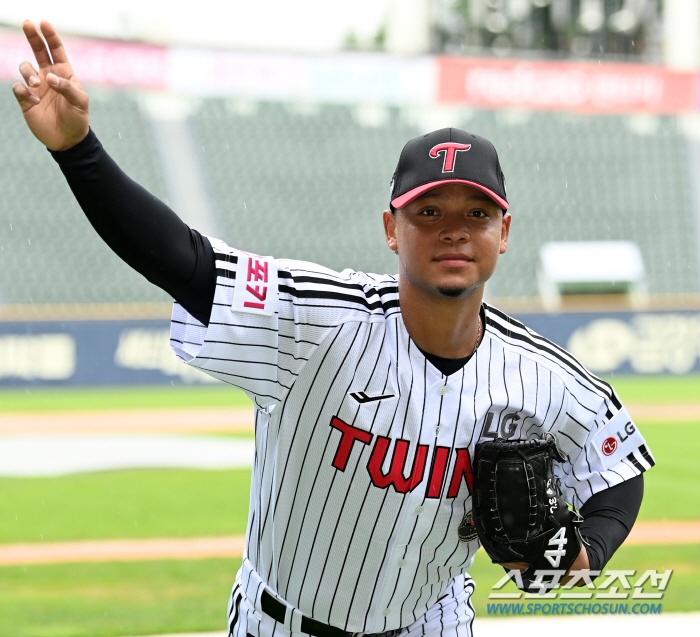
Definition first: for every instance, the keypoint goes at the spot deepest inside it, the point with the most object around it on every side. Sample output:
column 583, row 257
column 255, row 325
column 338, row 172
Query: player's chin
column 456, row 290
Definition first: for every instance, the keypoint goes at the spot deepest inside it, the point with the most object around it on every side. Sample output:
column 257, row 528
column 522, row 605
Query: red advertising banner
column 575, row 86
column 95, row 61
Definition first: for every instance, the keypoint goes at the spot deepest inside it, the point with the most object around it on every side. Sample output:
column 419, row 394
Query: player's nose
column 455, row 232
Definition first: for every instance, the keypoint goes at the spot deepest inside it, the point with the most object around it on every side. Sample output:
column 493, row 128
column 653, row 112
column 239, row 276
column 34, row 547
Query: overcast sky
column 299, row 25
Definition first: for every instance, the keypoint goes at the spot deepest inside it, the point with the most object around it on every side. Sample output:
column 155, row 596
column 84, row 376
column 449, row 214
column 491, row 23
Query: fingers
column 41, row 53
column 30, row 75
column 71, row 92
column 24, row 96
column 58, row 53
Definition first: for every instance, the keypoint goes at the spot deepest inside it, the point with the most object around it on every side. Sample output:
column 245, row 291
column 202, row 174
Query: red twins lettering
column 257, row 271
column 398, row 462
column 395, row 477
column 350, row 434
column 463, row 469
column 450, row 149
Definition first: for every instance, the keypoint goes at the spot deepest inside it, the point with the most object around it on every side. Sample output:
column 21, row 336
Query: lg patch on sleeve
column 617, row 439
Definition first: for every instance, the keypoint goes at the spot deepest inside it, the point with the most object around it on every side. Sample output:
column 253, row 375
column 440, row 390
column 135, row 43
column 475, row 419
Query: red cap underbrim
column 408, row 197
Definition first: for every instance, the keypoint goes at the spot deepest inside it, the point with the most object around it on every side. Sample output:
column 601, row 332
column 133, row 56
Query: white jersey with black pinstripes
column 363, row 453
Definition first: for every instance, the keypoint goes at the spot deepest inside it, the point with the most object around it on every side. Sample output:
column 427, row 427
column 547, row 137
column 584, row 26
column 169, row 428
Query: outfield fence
column 120, row 351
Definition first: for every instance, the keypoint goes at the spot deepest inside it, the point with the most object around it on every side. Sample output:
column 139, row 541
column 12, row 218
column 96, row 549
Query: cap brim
column 408, row 197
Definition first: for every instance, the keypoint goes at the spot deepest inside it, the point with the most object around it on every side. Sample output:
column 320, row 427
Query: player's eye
column 429, row 212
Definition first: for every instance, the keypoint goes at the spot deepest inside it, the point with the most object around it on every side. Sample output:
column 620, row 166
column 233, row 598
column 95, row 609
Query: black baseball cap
column 447, row 156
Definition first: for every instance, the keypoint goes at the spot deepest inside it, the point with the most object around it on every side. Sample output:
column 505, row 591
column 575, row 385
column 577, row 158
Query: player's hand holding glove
column 519, row 512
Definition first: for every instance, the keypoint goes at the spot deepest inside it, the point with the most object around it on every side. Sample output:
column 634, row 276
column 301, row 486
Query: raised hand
column 53, row 102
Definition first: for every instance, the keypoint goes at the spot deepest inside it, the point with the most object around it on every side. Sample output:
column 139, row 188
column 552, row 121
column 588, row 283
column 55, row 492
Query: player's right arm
column 142, row 230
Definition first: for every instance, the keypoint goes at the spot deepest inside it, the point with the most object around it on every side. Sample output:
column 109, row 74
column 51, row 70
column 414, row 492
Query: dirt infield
column 660, row 413
column 219, row 420
column 117, row 421
column 232, row 546
column 122, row 550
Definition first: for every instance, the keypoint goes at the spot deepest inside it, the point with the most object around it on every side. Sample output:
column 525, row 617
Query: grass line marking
column 232, row 546
column 667, row 532
column 178, row 420
column 122, row 550
column 221, row 419
column 664, row 413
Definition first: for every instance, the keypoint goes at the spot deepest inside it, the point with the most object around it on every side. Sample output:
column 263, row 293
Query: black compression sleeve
column 140, row 228
column 608, row 517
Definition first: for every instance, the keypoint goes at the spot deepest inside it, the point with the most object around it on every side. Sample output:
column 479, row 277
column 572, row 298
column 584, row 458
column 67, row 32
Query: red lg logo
column 449, row 148
column 609, row 446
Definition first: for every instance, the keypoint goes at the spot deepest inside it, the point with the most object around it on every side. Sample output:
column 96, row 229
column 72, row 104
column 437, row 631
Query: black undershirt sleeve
column 140, row 228
column 608, row 517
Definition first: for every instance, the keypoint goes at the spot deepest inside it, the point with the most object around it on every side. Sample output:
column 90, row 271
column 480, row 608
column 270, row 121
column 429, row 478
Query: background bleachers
column 311, row 184
column 50, row 253
column 310, row 181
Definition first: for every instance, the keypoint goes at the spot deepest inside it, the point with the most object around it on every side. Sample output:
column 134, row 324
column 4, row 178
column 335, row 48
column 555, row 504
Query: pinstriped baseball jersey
column 362, row 470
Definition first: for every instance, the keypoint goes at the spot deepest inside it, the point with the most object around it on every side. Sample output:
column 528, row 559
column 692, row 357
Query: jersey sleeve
column 603, row 446
column 269, row 317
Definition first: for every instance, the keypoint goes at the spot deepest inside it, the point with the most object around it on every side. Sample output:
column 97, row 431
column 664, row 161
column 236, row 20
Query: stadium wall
column 132, row 352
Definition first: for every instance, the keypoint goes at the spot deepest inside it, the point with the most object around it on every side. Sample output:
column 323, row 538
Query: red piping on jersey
column 401, row 201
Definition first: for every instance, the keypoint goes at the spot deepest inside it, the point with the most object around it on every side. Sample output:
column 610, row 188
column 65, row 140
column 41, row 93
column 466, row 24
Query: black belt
column 277, row 610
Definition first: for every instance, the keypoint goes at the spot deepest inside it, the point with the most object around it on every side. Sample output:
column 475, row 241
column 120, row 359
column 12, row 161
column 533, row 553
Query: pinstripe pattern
column 334, row 529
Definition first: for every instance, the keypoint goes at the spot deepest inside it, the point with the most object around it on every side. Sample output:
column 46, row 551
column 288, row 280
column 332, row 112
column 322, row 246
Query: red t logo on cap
column 449, row 148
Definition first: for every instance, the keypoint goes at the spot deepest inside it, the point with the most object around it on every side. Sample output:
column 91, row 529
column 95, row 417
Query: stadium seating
column 301, row 181
column 48, row 251
column 310, row 181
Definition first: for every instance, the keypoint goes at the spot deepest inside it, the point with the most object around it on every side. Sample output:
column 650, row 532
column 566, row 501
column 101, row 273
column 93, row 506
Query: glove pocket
column 515, row 500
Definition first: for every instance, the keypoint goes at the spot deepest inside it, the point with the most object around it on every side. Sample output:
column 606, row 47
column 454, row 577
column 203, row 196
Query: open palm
column 53, row 102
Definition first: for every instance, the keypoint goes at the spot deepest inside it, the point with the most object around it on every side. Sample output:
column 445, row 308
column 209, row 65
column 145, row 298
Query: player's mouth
column 453, row 259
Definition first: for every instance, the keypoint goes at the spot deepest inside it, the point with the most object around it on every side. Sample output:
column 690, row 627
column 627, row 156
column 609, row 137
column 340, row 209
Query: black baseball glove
column 519, row 512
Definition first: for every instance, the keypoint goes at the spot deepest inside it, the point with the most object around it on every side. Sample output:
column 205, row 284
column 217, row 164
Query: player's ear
column 390, row 230
column 505, row 230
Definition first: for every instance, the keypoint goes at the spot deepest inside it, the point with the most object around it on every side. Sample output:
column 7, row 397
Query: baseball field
column 153, row 551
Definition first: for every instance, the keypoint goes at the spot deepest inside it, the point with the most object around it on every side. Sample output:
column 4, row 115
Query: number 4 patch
column 559, row 540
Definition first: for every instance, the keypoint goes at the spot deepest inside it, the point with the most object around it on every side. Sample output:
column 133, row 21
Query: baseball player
column 371, row 392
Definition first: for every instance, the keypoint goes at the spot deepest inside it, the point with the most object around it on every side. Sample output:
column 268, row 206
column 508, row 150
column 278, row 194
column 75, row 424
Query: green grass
column 138, row 598
column 187, row 503
column 124, row 504
column 633, row 389
column 115, row 598
column 670, row 486
column 146, row 397
column 657, row 389
column 680, row 596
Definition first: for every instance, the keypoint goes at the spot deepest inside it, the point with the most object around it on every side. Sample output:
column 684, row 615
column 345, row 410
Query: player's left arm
column 607, row 456
column 608, row 518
